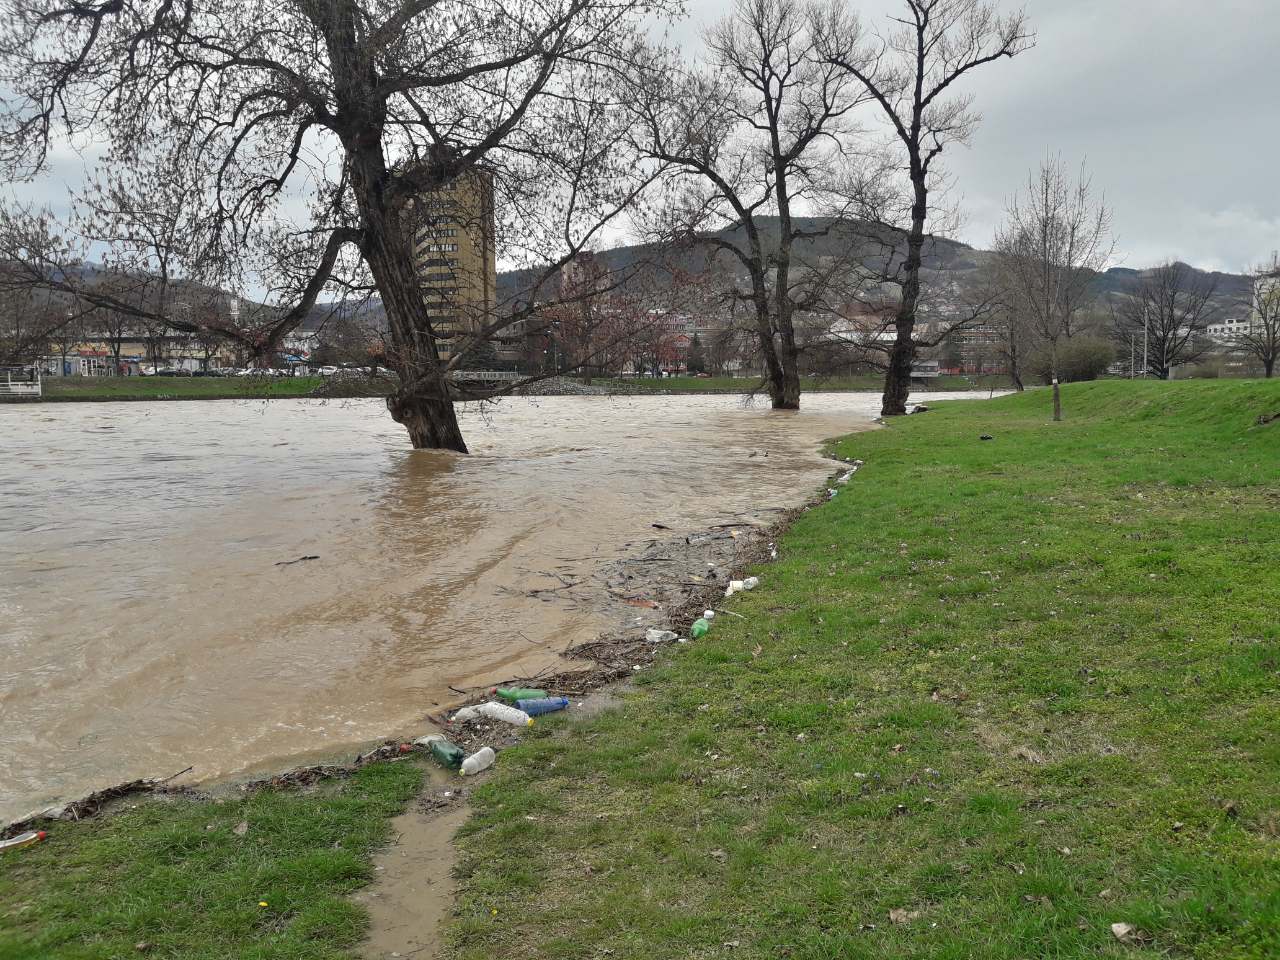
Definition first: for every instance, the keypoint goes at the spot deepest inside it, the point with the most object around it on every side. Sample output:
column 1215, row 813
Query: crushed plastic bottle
column 447, row 754
column 655, row 635
column 735, row 586
column 482, row 759
column 495, row 711
column 23, row 840
column 699, row 629
column 512, row 694
column 542, row 705
column 750, row 583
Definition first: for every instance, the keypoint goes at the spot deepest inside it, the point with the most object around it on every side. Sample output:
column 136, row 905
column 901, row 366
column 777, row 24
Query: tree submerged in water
column 305, row 130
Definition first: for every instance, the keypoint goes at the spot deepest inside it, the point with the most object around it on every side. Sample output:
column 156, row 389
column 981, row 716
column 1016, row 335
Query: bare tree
column 911, row 71
column 1057, row 236
column 749, row 137
column 67, row 337
column 1261, row 341
column 1169, row 315
column 29, row 321
column 361, row 107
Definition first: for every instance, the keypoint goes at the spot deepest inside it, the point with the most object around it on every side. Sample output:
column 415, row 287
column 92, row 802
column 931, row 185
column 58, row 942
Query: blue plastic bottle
column 542, row 705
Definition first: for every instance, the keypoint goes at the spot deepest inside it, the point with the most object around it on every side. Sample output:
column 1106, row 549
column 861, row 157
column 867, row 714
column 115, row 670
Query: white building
column 1228, row 329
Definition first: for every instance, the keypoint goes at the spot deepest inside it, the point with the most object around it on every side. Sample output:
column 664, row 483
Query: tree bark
column 897, row 378
column 786, row 396
column 1057, row 390
column 421, row 404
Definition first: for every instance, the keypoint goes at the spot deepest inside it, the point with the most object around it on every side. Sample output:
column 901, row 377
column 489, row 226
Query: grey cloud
column 1172, row 102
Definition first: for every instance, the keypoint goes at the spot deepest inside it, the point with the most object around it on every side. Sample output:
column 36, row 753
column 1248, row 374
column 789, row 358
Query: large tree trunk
column 775, row 377
column 1015, row 373
column 1057, row 390
column 787, row 396
column 790, row 399
column 421, row 403
column 897, row 378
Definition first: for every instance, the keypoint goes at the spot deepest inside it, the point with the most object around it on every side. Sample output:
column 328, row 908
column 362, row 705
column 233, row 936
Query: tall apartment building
column 453, row 248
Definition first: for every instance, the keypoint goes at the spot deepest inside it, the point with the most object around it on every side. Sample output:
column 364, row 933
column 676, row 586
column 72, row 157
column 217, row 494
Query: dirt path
column 414, row 890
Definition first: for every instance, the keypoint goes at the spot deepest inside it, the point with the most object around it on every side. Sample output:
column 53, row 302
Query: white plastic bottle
column 482, row 759
column 495, row 711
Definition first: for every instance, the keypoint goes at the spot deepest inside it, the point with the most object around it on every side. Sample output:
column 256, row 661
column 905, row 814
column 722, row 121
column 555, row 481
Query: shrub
column 1080, row 358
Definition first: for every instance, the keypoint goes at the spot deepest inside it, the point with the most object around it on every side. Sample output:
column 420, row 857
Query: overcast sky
column 1175, row 104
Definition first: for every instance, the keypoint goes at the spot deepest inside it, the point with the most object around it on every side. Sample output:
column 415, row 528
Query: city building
column 115, row 351
column 453, row 249
column 584, row 279
column 1227, row 329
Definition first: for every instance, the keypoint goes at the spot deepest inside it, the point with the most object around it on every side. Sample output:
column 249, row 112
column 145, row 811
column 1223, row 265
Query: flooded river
column 148, row 621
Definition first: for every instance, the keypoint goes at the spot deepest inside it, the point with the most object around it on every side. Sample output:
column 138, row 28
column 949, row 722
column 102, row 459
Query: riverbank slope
column 1005, row 697
column 1018, row 689
column 89, row 389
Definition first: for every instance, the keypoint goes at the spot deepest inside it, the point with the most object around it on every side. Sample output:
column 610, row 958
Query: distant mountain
column 949, row 265
column 1125, row 280
column 833, row 239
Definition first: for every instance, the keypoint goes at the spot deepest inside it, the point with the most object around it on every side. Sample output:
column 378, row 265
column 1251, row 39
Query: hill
column 949, row 265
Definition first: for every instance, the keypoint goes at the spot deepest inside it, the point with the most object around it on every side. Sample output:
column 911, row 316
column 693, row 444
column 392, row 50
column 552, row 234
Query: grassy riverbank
column 264, row 876
column 178, row 388
column 871, row 382
column 63, row 389
column 1019, row 690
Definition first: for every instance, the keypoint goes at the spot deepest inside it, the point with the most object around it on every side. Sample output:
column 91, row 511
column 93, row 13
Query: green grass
column 874, row 382
column 175, row 875
column 177, row 388
column 1027, row 687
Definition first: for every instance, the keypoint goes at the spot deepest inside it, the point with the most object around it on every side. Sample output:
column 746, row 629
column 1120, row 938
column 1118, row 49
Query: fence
column 19, row 382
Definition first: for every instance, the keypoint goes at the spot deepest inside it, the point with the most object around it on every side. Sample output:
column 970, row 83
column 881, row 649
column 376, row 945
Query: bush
column 1080, row 358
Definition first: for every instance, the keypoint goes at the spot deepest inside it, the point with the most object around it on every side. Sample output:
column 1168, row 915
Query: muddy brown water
column 148, row 624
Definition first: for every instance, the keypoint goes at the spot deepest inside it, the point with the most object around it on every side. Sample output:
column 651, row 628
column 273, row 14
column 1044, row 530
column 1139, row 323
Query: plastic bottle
column 512, row 694
column 699, row 629
column 482, row 759
column 447, row 754
column 750, row 583
column 23, row 840
column 708, row 615
column 495, row 711
column 542, row 705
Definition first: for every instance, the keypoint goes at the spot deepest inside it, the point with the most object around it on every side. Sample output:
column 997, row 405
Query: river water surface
column 147, row 622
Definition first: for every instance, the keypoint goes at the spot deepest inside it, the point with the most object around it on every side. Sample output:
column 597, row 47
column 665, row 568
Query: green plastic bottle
column 512, row 694
column 699, row 628
column 447, row 754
